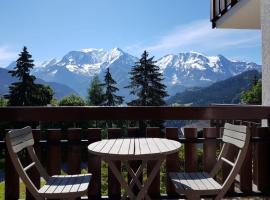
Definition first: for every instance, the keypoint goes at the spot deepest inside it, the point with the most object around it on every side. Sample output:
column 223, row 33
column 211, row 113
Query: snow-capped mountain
column 77, row 68
column 195, row 69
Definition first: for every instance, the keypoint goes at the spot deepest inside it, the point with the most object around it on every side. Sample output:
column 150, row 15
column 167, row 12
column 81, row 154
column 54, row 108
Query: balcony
column 237, row 14
column 65, row 150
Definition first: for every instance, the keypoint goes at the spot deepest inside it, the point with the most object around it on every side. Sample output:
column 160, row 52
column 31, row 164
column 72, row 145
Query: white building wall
column 265, row 27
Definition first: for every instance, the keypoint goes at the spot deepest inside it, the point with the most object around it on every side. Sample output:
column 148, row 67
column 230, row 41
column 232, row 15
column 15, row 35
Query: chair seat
column 65, row 186
column 201, row 183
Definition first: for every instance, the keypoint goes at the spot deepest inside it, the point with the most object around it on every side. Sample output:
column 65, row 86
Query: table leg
column 120, row 178
column 150, row 179
column 135, row 176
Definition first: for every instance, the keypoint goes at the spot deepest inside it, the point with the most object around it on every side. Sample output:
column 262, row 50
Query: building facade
column 247, row 14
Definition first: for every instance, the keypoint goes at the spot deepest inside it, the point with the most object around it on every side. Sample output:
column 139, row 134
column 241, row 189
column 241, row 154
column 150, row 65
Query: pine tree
column 146, row 84
column 111, row 99
column 95, row 92
column 25, row 92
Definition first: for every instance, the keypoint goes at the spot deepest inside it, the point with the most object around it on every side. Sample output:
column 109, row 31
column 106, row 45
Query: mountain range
column 184, row 70
column 223, row 92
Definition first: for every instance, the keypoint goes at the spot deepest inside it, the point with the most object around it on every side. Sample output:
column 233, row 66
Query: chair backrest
column 16, row 141
column 239, row 137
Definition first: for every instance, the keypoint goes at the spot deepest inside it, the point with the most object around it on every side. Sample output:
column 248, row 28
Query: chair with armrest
column 56, row 187
column 194, row 185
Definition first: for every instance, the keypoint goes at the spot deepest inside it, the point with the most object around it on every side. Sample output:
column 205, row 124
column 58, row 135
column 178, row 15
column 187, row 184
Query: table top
column 134, row 148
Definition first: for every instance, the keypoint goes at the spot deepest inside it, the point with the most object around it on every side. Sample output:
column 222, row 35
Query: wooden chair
column 56, row 187
column 194, row 185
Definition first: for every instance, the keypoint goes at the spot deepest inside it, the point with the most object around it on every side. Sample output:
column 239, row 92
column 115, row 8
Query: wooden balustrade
column 59, row 148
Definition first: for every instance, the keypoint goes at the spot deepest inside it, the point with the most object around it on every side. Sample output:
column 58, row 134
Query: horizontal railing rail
column 28, row 114
column 219, row 8
column 65, row 149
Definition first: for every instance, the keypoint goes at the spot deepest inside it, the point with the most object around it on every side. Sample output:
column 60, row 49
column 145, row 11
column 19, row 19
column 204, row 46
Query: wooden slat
column 114, row 187
column 237, row 128
column 209, row 149
column 54, row 152
column 191, row 158
column 161, row 145
column 172, row 161
column 235, row 134
column 236, row 142
column 94, row 166
column 232, row 164
column 124, row 150
column 33, row 173
column 116, row 146
column 154, row 189
column 74, row 154
column 144, row 146
column 21, row 138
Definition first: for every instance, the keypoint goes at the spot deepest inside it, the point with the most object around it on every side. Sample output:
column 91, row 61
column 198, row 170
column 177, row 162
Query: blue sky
column 51, row 28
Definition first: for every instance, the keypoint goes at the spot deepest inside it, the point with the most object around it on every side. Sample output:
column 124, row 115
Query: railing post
column 172, row 161
column 191, row 157
column 114, row 187
column 54, row 152
column 154, row 189
column 94, row 165
column 74, row 155
column 33, row 173
column 262, row 161
column 11, row 179
column 246, row 169
column 209, row 149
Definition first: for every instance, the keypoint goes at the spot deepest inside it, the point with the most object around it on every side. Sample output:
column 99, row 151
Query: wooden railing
column 219, row 8
column 66, row 149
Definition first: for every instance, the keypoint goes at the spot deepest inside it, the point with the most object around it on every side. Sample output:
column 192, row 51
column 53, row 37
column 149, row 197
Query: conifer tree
column 95, row 92
column 146, row 84
column 111, row 99
column 25, row 92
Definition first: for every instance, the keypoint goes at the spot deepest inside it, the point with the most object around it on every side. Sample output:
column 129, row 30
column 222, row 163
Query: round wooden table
column 127, row 149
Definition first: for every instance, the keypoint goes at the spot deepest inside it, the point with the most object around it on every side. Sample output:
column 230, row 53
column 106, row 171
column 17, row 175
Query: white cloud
column 200, row 36
column 7, row 55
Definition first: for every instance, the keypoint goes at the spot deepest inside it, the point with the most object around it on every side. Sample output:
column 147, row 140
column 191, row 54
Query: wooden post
column 246, row 169
column 134, row 132
column 11, row 179
column 191, row 157
column 94, row 165
column 74, row 155
column 114, row 187
column 33, row 173
column 54, row 152
column 172, row 161
column 154, row 189
column 262, row 151
column 209, row 149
